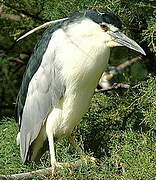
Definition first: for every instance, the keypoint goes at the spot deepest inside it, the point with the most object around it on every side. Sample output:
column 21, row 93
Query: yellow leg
column 83, row 156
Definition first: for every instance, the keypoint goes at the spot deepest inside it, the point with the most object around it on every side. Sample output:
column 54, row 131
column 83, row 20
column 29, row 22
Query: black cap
column 100, row 17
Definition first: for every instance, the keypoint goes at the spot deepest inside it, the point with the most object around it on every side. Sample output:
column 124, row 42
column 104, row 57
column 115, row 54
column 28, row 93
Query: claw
column 58, row 165
column 87, row 158
column 62, row 165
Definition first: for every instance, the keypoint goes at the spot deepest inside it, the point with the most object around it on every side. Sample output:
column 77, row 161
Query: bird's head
column 107, row 28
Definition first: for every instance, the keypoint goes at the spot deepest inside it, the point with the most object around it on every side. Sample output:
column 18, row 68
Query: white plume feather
column 40, row 27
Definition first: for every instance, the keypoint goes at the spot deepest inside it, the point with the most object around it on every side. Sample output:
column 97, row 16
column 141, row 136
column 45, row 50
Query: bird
column 61, row 76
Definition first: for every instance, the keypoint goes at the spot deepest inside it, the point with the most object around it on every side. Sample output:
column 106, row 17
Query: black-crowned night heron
column 61, row 77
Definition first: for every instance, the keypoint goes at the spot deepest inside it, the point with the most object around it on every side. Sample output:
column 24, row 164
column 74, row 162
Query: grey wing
column 41, row 89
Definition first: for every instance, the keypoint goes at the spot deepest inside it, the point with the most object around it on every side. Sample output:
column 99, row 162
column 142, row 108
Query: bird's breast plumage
column 83, row 61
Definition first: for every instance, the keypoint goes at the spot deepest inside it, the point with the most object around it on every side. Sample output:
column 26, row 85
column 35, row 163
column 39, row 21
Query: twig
column 21, row 11
column 124, row 65
column 17, row 60
column 27, row 175
column 40, row 172
column 18, row 27
column 121, row 67
column 11, row 17
column 113, row 87
column 105, row 81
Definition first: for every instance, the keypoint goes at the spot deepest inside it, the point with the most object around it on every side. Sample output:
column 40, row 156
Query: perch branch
column 21, row 11
column 121, row 67
column 17, row 60
column 40, row 172
column 124, row 65
column 105, row 81
column 11, row 17
column 113, row 87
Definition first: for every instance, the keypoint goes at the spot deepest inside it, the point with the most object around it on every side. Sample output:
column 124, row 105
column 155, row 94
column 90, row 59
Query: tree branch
column 11, row 17
column 21, row 11
column 28, row 175
column 17, row 60
column 121, row 67
column 124, row 65
column 113, row 87
column 40, row 172
column 105, row 81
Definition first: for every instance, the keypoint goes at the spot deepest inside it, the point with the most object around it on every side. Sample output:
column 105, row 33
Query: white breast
column 83, row 60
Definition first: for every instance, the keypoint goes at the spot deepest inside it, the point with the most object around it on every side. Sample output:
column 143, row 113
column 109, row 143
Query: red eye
column 104, row 27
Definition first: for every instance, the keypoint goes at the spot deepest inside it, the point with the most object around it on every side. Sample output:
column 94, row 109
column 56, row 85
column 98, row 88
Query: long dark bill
column 126, row 41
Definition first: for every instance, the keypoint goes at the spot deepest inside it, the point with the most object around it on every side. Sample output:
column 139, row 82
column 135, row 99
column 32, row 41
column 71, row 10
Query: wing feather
column 41, row 89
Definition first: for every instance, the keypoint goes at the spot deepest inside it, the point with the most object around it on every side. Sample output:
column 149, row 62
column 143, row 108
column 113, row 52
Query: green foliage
column 8, row 90
column 18, row 17
column 134, row 109
column 119, row 129
column 9, row 155
column 120, row 126
column 138, row 16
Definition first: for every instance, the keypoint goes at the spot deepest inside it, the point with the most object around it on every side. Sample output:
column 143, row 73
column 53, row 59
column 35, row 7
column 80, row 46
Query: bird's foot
column 87, row 158
column 58, row 165
column 62, row 165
